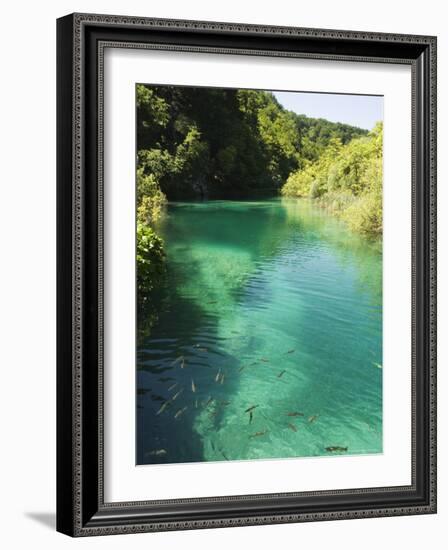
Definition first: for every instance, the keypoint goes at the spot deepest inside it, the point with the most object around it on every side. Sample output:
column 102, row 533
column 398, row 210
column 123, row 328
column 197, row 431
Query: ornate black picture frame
column 81, row 509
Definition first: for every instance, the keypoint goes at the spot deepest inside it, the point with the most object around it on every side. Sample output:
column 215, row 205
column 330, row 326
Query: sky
column 358, row 110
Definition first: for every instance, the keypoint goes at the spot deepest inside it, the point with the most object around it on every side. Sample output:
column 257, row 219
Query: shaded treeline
column 223, row 143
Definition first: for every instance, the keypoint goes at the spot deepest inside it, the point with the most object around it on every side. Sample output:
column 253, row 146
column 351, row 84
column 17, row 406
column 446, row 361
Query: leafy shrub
column 150, row 261
column 365, row 215
column 150, row 199
column 346, row 179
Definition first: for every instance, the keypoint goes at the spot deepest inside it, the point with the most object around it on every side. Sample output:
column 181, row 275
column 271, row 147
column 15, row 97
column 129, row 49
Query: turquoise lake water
column 274, row 306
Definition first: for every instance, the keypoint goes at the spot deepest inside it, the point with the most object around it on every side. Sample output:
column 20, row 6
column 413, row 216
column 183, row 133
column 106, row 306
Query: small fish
column 210, row 399
column 196, row 404
column 142, row 391
column 222, row 379
column 156, row 452
column 155, row 397
column 180, row 358
column 217, row 377
column 281, row 374
column 251, row 408
column 377, row 365
column 182, row 365
column 234, row 332
column 172, row 386
column 291, row 351
column 242, row 368
column 200, row 348
column 176, row 395
column 179, row 412
column 254, row 363
column 295, row 413
column 264, row 360
column 313, row 418
column 292, row 427
column 225, row 403
column 222, row 452
column 251, row 416
column 162, row 408
column 212, row 302
column 336, row 449
column 258, row 434
column 193, row 386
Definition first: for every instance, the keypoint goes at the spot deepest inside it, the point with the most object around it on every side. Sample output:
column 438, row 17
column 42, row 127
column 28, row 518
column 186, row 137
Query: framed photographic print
column 246, row 274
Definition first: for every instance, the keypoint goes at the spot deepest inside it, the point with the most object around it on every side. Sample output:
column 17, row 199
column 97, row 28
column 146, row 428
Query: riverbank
column 347, row 180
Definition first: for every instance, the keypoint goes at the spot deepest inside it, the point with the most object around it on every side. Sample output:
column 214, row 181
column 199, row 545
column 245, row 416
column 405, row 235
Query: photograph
column 246, row 273
column 258, row 261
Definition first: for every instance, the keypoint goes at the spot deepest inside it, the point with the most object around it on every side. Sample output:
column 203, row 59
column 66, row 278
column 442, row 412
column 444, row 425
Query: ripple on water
column 272, row 305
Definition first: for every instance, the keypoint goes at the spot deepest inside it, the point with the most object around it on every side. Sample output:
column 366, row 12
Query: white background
column 27, row 305
column 125, row 482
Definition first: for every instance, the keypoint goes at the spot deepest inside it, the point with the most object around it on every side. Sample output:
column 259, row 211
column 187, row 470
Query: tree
column 347, row 179
column 223, row 143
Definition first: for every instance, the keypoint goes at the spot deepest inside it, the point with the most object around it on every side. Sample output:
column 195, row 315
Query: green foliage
column 365, row 214
column 191, row 157
column 151, row 271
column 317, row 133
column 312, row 179
column 279, row 134
column 223, row 143
column 150, row 199
column 150, row 258
column 347, row 179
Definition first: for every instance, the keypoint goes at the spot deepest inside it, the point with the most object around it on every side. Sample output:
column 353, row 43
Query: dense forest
column 221, row 143
column 205, row 143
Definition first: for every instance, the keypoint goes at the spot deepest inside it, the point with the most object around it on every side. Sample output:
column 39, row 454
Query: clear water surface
column 273, row 306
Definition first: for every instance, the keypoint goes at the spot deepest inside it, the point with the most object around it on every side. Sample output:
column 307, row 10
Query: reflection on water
column 269, row 340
